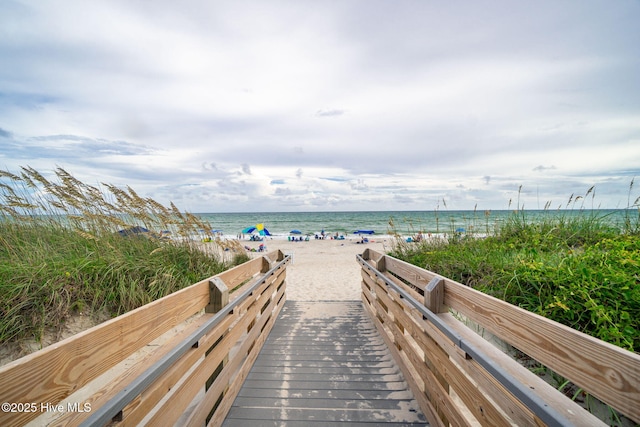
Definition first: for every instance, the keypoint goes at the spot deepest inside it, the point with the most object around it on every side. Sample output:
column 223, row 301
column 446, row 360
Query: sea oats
column 86, row 235
column 7, row 174
column 7, row 188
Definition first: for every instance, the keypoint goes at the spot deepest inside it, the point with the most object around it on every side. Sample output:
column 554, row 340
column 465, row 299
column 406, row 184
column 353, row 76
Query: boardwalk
column 324, row 364
column 317, row 359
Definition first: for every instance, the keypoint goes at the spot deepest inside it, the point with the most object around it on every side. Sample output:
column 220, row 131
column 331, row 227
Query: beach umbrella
column 133, row 230
column 364, row 232
column 295, row 232
column 259, row 228
column 262, row 231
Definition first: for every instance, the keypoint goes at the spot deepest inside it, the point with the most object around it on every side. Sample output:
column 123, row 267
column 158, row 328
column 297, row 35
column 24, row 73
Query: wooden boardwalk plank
column 324, row 364
column 330, row 394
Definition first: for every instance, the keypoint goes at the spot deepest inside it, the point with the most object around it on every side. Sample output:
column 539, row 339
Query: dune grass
column 579, row 270
column 62, row 251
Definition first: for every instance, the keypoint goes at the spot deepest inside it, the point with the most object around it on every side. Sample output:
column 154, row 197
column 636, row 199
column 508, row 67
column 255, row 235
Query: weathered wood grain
column 241, row 273
column 324, row 362
column 114, row 385
column 56, row 372
column 438, row 395
column 53, row 373
column 251, row 348
column 185, row 392
column 416, row 276
column 610, row 373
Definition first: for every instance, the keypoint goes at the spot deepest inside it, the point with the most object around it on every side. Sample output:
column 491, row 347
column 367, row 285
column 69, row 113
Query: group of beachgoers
column 316, row 236
column 322, row 235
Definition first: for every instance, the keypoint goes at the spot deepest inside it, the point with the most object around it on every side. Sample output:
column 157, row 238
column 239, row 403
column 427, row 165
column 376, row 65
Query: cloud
column 330, row 113
column 282, row 192
column 81, row 146
column 218, row 105
column 359, row 185
column 541, row 168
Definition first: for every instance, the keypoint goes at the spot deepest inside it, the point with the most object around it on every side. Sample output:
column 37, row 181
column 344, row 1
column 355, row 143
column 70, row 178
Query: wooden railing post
column 218, row 295
column 434, row 302
column 218, row 299
column 266, row 265
column 377, row 259
column 434, row 295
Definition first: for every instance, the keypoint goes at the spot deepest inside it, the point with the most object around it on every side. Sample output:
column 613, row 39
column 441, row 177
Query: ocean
column 405, row 223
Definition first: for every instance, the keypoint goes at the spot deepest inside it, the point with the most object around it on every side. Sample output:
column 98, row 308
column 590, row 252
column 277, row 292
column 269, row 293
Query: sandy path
column 324, row 270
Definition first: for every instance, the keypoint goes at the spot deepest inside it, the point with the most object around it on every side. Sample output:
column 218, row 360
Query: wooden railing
column 460, row 378
column 181, row 358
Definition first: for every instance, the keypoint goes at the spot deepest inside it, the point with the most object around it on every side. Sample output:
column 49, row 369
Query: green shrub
column 61, row 251
column 576, row 269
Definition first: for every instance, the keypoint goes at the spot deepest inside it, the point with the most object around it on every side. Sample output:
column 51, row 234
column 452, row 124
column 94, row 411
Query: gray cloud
column 74, row 145
column 329, row 113
column 541, row 168
column 283, row 192
column 5, row 133
column 216, row 106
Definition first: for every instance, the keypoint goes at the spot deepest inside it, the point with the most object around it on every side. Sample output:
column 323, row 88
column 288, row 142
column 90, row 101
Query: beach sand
column 323, row 270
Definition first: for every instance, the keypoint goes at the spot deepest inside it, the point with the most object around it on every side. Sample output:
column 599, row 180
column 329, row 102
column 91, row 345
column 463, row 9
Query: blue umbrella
column 258, row 227
column 295, row 232
column 133, row 230
column 364, row 232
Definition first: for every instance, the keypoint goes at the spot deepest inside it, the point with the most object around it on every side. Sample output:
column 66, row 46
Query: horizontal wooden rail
column 119, row 373
column 461, row 378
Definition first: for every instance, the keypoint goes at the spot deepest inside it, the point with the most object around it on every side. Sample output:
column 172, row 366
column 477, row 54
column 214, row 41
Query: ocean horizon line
column 417, row 211
column 404, row 222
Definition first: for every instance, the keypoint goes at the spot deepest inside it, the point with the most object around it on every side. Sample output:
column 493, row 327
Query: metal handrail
column 547, row 414
column 116, row 404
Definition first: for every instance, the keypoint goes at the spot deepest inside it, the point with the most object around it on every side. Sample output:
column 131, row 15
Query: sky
column 242, row 106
